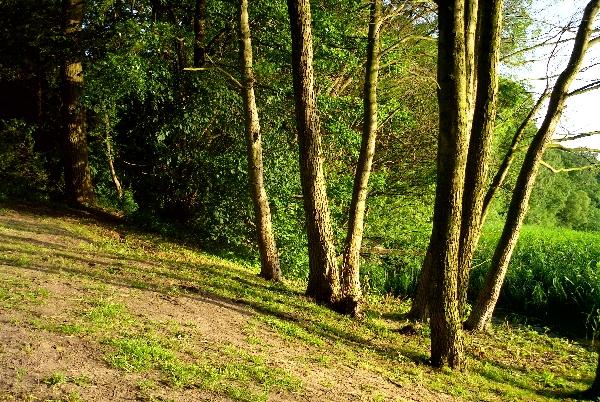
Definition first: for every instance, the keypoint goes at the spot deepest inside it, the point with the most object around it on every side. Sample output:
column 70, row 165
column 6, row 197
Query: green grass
column 554, row 275
column 287, row 338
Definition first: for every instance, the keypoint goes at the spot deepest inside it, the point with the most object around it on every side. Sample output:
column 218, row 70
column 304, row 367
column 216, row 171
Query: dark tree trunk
column 351, row 291
column 419, row 309
column 484, row 118
column 78, row 182
column 594, row 391
column 200, row 33
column 481, row 315
column 323, row 278
column 266, row 239
column 446, row 324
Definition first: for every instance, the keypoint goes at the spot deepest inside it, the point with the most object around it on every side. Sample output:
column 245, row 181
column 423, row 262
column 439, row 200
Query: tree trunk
column 419, row 310
column 453, row 138
column 484, row 118
column 594, row 391
column 110, row 158
column 269, row 257
column 199, row 33
column 488, row 296
column 78, row 182
column 508, row 159
column 351, row 291
column 323, row 278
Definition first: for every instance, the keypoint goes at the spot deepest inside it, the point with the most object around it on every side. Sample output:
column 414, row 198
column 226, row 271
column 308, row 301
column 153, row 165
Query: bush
column 22, row 171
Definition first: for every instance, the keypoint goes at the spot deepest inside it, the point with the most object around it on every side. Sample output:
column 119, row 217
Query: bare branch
column 229, row 77
column 565, row 170
column 502, row 172
column 578, row 149
column 389, row 117
column 572, row 137
column 586, row 88
column 547, row 42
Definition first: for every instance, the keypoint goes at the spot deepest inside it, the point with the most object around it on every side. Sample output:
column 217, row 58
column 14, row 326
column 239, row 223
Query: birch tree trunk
column 323, row 278
column 351, row 291
column 481, row 315
column 78, row 181
column 269, row 257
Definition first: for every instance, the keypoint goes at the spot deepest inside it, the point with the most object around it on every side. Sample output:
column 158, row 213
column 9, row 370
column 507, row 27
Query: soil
column 29, row 355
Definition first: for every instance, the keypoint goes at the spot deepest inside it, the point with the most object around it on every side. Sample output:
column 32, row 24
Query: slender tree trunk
column 266, row 239
column 419, row 310
column 199, row 33
column 484, row 118
column 78, row 182
column 351, row 291
column 323, row 278
column 446, row 325
column 110, row 158
column 486, row 301
column 508, row 159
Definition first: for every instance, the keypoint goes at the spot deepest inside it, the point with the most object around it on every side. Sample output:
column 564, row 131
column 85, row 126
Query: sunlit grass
column 511, row 362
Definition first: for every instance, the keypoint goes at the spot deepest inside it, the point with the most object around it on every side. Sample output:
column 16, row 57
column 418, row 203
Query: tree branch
column 578, row 149
column 213, row 66
column 586, row 88
column 566, row 170
column 569, row 137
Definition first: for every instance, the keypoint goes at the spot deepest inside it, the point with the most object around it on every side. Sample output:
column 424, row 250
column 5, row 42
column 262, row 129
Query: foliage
column 553, row 275
column 22, row 170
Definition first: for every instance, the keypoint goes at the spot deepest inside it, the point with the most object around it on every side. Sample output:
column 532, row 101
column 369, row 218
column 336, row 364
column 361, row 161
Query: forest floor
column 91, row 310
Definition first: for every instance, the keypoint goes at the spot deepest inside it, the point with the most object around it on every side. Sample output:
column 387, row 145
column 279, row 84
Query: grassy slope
column 91, row 311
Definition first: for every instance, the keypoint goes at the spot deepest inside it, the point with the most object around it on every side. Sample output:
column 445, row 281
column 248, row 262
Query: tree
column 351, row 290
column 481, row 75
column 453, row 137
column 266, row 239
column 323, row 278
column 78, row 182
column 481, row 314
column 199, row 33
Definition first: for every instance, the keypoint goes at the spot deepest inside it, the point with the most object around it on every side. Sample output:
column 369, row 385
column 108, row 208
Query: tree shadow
column 226, row 287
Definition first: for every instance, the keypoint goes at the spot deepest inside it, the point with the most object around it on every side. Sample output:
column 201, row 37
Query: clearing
column 92, row 310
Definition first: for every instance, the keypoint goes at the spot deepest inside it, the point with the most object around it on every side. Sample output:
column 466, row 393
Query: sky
column 582, row 113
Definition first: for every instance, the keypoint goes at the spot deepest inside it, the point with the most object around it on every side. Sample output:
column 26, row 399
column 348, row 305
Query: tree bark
column 323, row 278
column 453, row 138
column 351, row 291
column 78, row 182
column 269, row 257
column 110, row 158
column 484, row 118
column 594, row 391
column 488, row 296
column 508, row 159
column 199, row 33
column 419, row 309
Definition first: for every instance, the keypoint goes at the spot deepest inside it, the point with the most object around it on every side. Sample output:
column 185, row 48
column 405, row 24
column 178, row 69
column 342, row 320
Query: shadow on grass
column 221, row 285
column 507, row 376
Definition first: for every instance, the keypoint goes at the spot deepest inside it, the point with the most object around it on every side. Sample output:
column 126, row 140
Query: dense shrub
column 22, row 171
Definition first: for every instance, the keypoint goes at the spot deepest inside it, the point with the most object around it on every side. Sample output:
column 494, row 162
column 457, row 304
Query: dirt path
column 59, row 270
